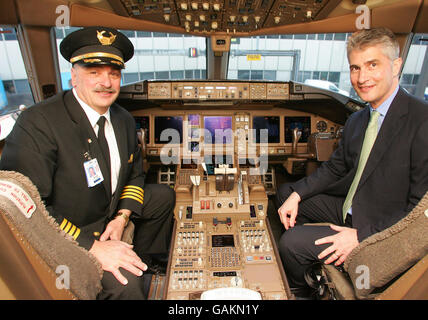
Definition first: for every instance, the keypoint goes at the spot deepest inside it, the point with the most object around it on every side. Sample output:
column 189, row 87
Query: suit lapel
column 88, row 137
column 390, row 128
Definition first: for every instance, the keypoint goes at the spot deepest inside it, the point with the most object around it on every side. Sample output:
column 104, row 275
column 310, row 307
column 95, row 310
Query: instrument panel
column 222, row 238
column 196, row 121
column 216, row 142
column 218, row 91
column 244, row 133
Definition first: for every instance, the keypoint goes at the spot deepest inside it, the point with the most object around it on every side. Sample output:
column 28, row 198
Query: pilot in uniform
column 85, row 185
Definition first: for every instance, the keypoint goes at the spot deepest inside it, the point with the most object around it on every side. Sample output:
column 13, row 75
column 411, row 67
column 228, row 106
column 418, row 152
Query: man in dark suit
column 374, row 178
column 81, row 151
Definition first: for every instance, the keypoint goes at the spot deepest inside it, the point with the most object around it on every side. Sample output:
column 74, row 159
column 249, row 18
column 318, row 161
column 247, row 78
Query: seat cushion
column 385, row 255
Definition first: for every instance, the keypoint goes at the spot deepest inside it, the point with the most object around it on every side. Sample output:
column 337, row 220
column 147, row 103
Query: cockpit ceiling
column 245, row 17
column 223, row 16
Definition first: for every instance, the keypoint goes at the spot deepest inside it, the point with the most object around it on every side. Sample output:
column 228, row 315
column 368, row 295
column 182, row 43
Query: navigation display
column 172, row 128
column 218, row 130
column 272, row 126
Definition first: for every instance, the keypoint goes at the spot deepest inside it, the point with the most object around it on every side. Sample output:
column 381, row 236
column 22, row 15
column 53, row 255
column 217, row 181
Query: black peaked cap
column 97, row 45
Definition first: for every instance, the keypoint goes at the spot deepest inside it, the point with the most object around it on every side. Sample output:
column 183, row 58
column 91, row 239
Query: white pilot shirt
column 93, row 117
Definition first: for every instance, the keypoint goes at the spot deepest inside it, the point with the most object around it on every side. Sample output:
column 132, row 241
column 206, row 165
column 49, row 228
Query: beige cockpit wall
column 35, row 18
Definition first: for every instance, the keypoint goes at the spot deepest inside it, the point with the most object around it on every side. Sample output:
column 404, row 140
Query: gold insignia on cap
column 106, row 41
column 91, row 60
column 96, row 54
column 117, row 62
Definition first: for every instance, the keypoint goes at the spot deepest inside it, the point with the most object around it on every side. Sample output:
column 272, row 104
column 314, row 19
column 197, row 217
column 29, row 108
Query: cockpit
column 231, row 99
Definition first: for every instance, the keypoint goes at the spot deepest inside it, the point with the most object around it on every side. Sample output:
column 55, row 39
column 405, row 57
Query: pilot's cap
column 97, row 45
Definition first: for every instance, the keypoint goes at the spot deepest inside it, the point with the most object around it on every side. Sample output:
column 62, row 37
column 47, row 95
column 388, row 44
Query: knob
column 219, row 205
column 230, row 205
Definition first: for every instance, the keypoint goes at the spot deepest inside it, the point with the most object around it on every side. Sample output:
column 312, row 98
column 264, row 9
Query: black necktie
column 102, row 140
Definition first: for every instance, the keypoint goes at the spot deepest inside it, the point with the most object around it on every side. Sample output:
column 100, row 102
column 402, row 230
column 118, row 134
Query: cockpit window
column 15, row 91
column 414, row 75
column 157, row 56
column 318, row 60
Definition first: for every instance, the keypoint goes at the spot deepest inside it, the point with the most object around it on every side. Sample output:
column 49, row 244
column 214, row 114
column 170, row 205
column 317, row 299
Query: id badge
column 93, row 173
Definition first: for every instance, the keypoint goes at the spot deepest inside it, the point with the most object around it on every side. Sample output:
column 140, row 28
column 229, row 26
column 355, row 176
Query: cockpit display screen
column 218, row 130
column 223, row 240
column 168, row 129
column 271, row 126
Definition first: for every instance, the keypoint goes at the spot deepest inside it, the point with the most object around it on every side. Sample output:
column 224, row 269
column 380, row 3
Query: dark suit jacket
column 48, row 144
column 396, row 174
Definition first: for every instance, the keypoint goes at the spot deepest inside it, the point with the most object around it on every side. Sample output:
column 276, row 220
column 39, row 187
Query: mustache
column 102, row 89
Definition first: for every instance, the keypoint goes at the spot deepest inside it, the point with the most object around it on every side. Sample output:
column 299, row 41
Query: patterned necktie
column 102, row 140
column 369, row 139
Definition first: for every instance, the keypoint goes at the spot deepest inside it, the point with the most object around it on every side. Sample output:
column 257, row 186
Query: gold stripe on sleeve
column 76, row 234
column 69, row 224
column 64, row 222
column 132, row 197
column 129, row 193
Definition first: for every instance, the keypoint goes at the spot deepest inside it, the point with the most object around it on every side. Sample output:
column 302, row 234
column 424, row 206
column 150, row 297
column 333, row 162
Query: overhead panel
column 228, row 16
